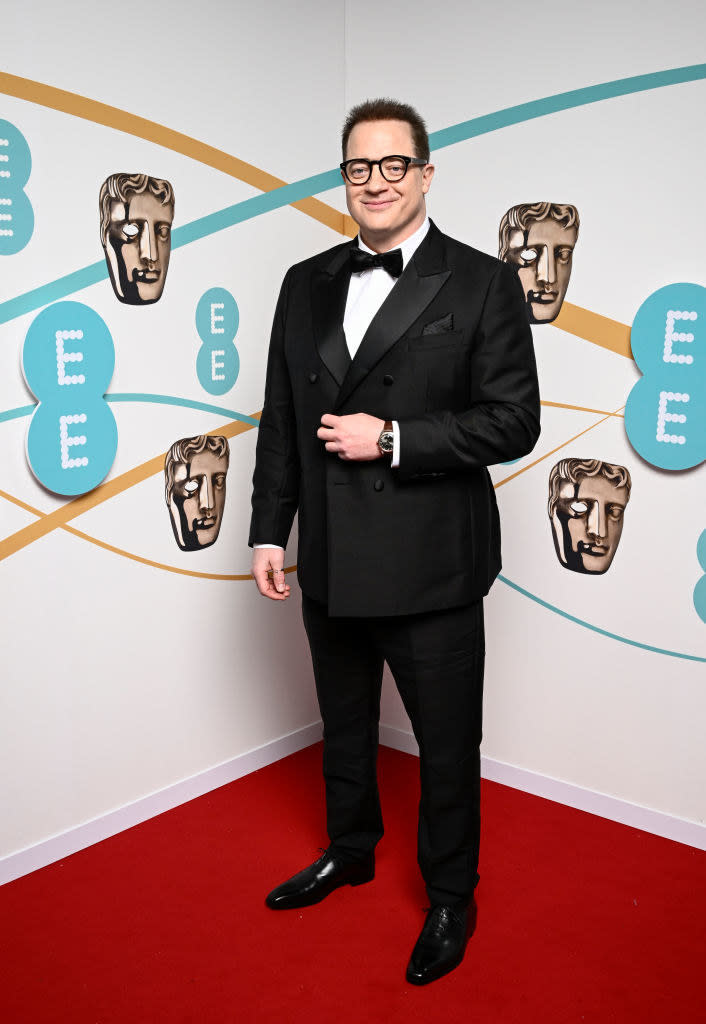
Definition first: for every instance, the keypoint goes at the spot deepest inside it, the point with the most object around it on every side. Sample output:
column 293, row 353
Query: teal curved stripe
column 53, row 292
column 597, row 629
column 184, row 235
column 318, row 183
column 15, row 414
column 26, row 410
column 564, row 101
column 185, row 403
column 249, row 208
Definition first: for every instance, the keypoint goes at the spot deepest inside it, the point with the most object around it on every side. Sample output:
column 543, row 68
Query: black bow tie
column 389, row 261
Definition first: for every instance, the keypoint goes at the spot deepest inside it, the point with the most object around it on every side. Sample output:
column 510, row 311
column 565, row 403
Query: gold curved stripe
column 162, row 565
column 77, row 506
column 129, row 554
column 292, row 568
column 132, row 124
column 580, row 408
column 20, row 504
column 558, row 448
column 599, row 330
column 60, row 517
column 592, row 327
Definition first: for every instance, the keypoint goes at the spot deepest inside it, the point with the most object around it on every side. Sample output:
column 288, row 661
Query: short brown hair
column 384, row 109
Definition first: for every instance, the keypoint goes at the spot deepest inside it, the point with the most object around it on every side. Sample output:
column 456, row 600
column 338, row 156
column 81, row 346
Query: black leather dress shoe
column 441, row 944
column 314, row 883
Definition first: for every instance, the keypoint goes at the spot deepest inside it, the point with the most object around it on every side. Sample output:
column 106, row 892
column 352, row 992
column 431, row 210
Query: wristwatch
column 386, row 441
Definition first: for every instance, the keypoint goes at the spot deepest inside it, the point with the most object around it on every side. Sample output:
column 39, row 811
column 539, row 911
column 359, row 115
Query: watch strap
column 387, row 429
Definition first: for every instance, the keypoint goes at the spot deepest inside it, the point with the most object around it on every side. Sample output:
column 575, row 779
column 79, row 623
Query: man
column 392, row 382
column 587, row 500
column 136, row 213
column 195, row 489
column 539, row 239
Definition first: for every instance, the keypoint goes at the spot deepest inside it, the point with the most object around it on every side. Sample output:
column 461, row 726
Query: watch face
column 387, row 441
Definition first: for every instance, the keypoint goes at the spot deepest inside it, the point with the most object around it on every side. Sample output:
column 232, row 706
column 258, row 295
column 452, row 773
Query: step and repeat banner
column 149, row 207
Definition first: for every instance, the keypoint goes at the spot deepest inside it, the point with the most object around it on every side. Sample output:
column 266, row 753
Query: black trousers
column 437, row 661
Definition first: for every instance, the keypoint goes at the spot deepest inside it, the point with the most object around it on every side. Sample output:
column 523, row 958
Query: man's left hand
column 352, row 437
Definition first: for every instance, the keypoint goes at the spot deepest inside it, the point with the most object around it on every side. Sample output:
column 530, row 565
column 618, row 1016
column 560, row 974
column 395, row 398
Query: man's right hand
column 268, row 573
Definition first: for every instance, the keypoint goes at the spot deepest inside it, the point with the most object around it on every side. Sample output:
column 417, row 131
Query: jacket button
column 379, row 485
column 388, row 379
column 313, row 377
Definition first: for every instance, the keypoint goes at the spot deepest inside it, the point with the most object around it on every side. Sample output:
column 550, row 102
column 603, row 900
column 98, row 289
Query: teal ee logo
column 217, row 363
column 16, row 213
column 665, row 415
column 68, row 359
column 700, row 588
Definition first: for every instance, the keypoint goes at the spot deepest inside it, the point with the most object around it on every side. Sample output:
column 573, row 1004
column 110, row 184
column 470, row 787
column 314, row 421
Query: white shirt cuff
column 268, row 546
column 395, row 445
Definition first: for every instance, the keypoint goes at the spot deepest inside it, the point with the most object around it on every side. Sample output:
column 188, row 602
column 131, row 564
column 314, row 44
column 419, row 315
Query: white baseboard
column 398, row 739
column 22, row 862
column 56, row 847
column 692, row 833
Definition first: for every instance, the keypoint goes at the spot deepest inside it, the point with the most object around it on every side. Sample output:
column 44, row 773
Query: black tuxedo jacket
column 449, row 355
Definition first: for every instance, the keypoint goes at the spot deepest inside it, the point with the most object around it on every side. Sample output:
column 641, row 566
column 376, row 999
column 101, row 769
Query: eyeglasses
column 392, row 168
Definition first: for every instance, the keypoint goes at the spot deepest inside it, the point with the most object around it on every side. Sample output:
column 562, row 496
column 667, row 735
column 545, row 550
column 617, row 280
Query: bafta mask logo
column 587, row 500
column 136, row 214
column 195, row 489
column 539, row 239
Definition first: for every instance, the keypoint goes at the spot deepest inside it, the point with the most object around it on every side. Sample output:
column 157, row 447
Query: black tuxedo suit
column 375, row 540
column 449, row 356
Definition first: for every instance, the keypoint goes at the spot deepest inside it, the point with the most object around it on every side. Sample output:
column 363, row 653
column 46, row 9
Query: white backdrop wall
column 124, row 679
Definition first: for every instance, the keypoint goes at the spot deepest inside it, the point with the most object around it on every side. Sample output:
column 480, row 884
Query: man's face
column 543, row 257
column 587, row 523
column 137, row 247
column 387, row 212
column 197, row 500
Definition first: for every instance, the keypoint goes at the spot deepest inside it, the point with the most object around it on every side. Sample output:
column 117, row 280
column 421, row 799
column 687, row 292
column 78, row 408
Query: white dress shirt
column 366, row 293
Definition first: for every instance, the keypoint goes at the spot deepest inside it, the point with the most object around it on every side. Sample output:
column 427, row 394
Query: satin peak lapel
column 406, row 302
column 329, row 290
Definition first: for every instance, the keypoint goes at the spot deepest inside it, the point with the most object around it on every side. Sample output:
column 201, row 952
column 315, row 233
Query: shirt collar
column 408, row 247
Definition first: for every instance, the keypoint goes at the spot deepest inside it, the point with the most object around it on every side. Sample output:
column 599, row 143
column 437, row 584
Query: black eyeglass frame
column 413, row 161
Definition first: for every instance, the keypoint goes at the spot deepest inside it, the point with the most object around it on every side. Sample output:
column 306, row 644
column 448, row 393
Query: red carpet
column 579, row 919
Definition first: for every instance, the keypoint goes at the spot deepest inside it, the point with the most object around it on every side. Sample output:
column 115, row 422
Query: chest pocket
column 441, row 365
column 433, row 342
